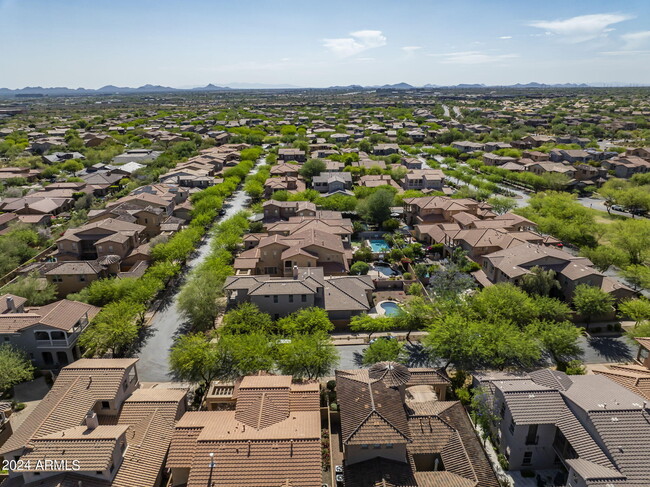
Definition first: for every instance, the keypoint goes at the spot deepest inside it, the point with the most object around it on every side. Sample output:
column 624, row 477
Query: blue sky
column 91, row 43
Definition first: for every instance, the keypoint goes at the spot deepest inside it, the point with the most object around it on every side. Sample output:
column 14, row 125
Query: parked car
column 617, row 208
column 389, row 337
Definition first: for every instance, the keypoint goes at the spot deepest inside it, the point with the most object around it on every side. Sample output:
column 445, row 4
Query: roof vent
column 614, row 419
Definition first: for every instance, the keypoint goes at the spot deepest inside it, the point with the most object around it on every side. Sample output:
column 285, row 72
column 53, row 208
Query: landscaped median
column 118, row 326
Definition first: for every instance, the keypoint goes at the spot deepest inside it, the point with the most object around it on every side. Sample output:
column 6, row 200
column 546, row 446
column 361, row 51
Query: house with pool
column 341, row 296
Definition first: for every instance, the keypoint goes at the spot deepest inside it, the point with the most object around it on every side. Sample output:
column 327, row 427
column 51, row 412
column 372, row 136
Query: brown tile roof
column 77, row 389
column 271, row 439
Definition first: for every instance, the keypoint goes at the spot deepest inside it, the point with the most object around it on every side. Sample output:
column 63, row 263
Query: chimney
column 91, row 420
column 11, row 306
column 295, row 272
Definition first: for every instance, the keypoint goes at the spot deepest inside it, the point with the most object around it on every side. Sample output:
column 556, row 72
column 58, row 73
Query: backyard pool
column 385, row 270
column 379, row 245
column 390, row 308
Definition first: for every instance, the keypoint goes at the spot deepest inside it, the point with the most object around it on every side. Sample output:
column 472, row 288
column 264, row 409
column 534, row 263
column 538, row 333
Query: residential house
column 490, row 159
column 284, row 183
column 283, row 210
column 467, row 147
column 136, row 155
column 276, row 255
column 96, row 427
column 397, row 429
column 509, row 265
column 284, row 169
column 289, row 154
column 440, row 209
column 330, row 182
column 634, row 376
column 626, row 167
column 424, row 180
column 590, row 429
column 272, row 438
column 341, row 296
column 47, row 334
column 540, row 168
column 385, row 149
column 376, row 180
column 99, row 239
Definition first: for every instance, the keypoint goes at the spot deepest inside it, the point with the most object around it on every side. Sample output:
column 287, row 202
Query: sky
column 187, row 43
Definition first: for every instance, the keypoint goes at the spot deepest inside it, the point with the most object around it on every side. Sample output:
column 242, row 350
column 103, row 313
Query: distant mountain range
column 117, row 90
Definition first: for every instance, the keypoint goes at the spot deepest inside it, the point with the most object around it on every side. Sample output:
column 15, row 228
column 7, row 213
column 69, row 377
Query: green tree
column 559, row 340
column 246, row 318
column 376, row 207
column 249, row 353
column 637, row 275
column 591, row 301
column 605, row 256
column 636, row 309
column 502, row 204
column 359, row 268
column 15, row 367
column 415, row 314
column 307, row 321
column 311, row 168
column 632, row 237
column 197, row 359
column 504, row 302
column 384, row 350
column 309, row 356
column 450, row 282
column 539, row 282
column 36, row 290
column 370, row 325
column 113, row 330
column 551, row 309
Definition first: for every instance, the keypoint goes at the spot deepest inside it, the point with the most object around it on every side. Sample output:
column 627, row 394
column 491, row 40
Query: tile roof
column 77, row 389
column 272, row 438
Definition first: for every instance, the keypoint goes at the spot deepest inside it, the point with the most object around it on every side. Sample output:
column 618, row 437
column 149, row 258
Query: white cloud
column 359, row 41
column 634, row 40
column 473, row 57
column 505, row 37
column 411, row 48
column 583, row 27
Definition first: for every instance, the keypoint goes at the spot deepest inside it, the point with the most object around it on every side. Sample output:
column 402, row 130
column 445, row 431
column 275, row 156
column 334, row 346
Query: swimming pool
column 390, row 308
column 379, row 245
column 385, row 270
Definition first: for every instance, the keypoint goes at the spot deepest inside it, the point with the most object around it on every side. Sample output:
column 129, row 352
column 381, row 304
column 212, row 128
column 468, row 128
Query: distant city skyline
column 74, row 44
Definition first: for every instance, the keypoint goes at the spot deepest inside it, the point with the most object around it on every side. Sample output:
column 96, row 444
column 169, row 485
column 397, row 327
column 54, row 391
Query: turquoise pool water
column 379, row 245
column 391, row 309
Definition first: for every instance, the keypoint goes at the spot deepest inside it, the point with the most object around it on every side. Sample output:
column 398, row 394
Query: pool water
column 391, row 309
column 379, row 245
column 385, row 270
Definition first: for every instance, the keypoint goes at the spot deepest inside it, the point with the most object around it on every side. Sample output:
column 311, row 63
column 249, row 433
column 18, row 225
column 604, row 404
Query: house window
column 503, row 410
column 512, row 427
column 106, row 405
column 364, row 447
column 291, row 298
column 528, row 458
column 275, row 298
column 57, row 278
column 303, row 298
column 389, row 445
column 376, row 446
column 82, row 278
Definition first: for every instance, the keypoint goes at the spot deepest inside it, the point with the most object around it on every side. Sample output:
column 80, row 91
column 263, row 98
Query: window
column 389, row 445
column 275, row 298
column 82, row 278
column 364, row 447
column 303, row 298
column 106, row 405
column 376, row 446
column 124, row 385
column 291, row 298
column 99, row 472
column 528, row 458
column 512, row 427
column 503, row 410
column 42, row 335
column 57, row 278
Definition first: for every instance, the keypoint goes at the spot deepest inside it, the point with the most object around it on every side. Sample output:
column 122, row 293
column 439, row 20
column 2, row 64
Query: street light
column 212, row 464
